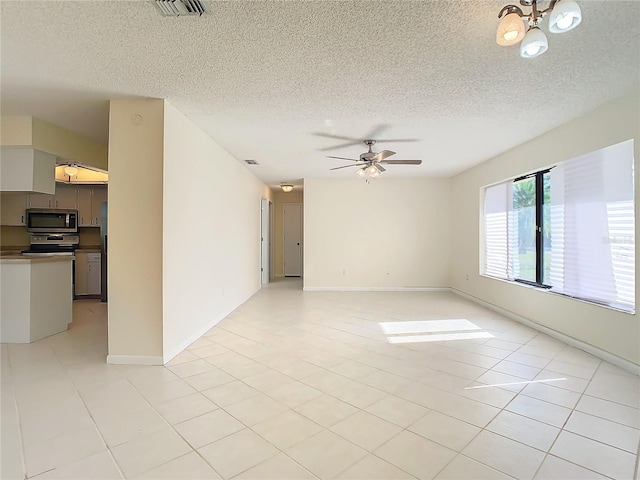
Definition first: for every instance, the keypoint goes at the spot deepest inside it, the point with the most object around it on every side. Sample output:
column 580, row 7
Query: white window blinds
column 593, row 227
column 591, row 246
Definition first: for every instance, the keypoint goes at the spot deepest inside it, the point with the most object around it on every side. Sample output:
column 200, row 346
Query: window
column 570, row 228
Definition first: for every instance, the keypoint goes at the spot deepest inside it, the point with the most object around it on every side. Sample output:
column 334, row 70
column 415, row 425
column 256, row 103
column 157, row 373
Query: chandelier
column 564, row 15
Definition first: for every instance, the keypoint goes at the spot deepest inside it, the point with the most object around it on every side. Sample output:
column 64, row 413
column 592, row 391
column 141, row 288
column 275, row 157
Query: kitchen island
column 36, row 298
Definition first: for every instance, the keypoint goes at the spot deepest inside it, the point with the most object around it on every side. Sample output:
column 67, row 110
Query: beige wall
column 612, row 331
column 13, row 237
column 16, row 130
column 392, row 233
column 135, row 231
column 279, row 199
column 44, row 136
column 211, row 233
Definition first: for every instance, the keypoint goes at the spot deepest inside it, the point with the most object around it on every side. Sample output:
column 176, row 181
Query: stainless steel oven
column 52, row 221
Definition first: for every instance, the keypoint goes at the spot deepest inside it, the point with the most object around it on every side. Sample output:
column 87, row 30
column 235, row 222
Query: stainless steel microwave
column 52, row 221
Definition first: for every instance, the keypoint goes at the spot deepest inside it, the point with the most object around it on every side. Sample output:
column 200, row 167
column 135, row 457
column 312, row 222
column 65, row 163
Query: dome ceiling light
column 564, row 15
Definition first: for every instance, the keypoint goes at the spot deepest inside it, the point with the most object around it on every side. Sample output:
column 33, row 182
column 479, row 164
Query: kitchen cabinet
column 89, row 200
column 65, row 198
column 12, row 207
column 41, row 200
column 88, row 279
column 27, row 170
column 99, row 197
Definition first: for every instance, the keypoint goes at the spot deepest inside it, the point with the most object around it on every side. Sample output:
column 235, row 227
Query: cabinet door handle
column 49, row 202
column 56, row 203
column 22, row 219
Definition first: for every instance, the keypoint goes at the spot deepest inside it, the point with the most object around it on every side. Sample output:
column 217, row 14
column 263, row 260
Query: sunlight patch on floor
column 432, row 331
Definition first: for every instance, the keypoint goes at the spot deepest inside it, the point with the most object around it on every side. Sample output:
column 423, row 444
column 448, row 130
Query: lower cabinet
column 88, row 279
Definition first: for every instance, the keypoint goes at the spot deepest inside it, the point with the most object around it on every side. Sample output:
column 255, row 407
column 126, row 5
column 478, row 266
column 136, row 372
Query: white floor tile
column 100, row 466
column 374, row 468
column 208, row 428
column 150, row 451
column 63, row 450
column 415, row 454
column 187, row 467
column 554, row 468
column 505, row 455
column 397, row 410
column 286, row 429
column 464, row 468
column 596, row 456
column 238, row 452
column 277, row 468
column 326, row 454
column 318, row 362
column 445, row 430
column 366, row 430
column 524, row 430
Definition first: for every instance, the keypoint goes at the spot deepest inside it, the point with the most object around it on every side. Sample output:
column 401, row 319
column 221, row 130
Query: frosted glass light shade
column 510, row 30
column 361, row 172
column 373, row 171
column 565, row 16
column 286, row 188
column 534, row 43
column 70, row 170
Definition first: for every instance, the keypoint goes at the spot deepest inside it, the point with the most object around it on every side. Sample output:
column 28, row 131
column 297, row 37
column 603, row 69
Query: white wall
column 391, row 233
column 612, row 331
column 211, row 232
column 135, row 231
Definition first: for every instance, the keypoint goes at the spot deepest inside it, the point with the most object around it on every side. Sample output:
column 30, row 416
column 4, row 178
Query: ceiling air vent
column 177, row 8
column 251, row 162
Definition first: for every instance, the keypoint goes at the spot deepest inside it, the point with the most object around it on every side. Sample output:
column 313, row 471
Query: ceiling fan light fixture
column 71, row 170
column 373, row 171
column 286, row 188
column 510, row 30
column 534, row 44
column 361, row 172
column 566, row 15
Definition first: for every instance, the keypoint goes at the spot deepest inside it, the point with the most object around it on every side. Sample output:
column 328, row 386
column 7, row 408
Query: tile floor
column 297, row 385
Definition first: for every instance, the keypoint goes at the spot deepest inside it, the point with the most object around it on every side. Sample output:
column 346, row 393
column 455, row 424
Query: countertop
column 11, row 256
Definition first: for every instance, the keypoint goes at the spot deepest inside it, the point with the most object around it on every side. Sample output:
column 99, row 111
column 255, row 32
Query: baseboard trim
column 134, row 360
column 574, row 342
column 376, row 289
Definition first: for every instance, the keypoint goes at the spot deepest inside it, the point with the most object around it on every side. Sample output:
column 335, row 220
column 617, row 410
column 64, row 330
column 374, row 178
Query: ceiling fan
column 370, row 163
column 348, row 141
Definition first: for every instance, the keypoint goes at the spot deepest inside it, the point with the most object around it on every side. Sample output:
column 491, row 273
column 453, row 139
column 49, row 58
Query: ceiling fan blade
column 342, row 145
column 382, row 155
column 386, row 140
column 380, row 168
column 347, row 166
column 337, row 137
column 344, row 158
column 402, row 162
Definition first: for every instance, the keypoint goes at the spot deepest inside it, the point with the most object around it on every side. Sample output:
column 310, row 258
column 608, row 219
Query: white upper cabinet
column 66, row 197
column 12, row 207
column 27, row 170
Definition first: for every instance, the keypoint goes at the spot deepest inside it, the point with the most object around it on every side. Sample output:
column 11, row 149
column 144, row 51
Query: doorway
column 265, row 240
column 292, row 244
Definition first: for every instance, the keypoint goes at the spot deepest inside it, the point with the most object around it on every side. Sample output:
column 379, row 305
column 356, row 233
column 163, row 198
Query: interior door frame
column 284, row 243
column 265, row 241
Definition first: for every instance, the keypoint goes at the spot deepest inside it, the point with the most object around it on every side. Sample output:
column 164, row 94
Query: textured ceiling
column 264, row 78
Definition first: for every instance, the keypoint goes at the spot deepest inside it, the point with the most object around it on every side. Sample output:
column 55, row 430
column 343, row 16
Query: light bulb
column 510, row 30
column 534, row 43
column 566, row 15
column 373, row 171
column 361, row 172
column 564, row 21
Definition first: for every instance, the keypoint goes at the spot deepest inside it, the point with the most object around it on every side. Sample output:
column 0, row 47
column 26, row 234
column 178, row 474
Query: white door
column 292, row 227
column 264, row 240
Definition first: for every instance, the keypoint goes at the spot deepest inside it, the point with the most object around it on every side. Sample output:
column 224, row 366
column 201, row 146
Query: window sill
column 549, row 291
